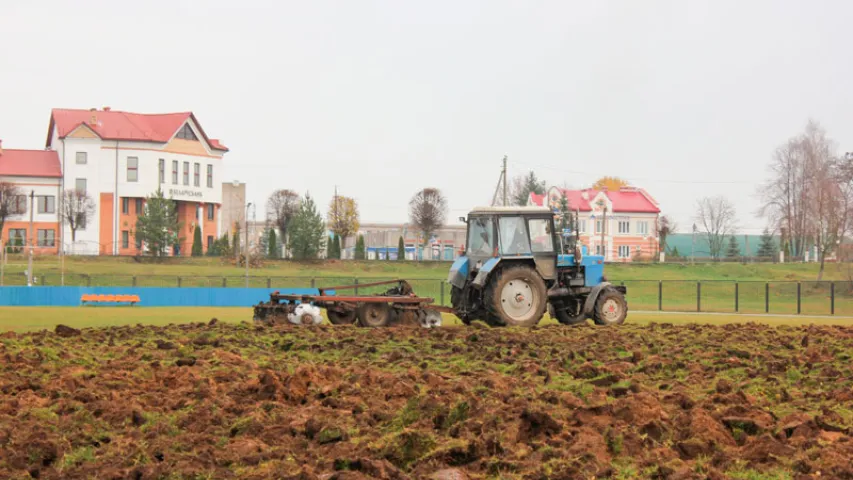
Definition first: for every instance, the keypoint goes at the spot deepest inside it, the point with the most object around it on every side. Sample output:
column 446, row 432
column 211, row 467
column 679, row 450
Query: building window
column 162, row 171
column 598, row 249
column 624, row 227
column 210, row 176
column 209, row 242
column 125, row 239
column 46, row 204
column 82, row 158
column 80, row 185
column 138, row 206
column 138, row 242
column 196, row 174
column 598, row 226
column 210, row 211
column 132, row 169
column 174, row 172
column 17, row 236
column 624, row 251
column 186, row 173
column 125, row 205
column 643, row 228
column 581, row 226
column 46, row 238
column 186, row 133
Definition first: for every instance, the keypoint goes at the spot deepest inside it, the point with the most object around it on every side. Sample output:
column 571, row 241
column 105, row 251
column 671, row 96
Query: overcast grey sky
column 385, row 97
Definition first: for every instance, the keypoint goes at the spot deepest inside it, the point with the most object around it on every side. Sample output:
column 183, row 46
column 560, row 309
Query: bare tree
column 428, row 211
column 282, row 206
column 716, row 215
column 9, row 202
column 786, row 194
column 833, row 197
column 77, row 208
column 808, row 194
column 666, row 226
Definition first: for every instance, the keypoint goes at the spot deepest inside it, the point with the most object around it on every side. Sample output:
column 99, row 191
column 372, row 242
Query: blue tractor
column 516, row 266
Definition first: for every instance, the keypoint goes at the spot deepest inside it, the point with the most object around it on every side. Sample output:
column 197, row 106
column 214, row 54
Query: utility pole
column 30, row 266
column 335, row 226
column 503, row 174
column 501, row 183
column 247, row 243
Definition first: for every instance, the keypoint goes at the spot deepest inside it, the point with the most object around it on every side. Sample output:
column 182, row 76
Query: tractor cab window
column 541, row 237
column 513, row 236
column 481, row 241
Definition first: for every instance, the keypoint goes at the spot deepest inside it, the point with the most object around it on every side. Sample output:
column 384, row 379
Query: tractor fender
column 485, row 270
column 589, row 304
column 459, row 272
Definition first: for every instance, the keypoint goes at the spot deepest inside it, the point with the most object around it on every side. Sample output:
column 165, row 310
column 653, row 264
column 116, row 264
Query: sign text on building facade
column 173, row 192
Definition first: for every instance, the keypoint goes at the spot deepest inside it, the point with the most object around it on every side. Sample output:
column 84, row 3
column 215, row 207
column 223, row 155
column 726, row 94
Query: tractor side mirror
column 463, row 220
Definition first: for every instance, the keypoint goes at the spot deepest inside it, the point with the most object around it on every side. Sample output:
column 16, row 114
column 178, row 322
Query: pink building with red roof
column 622, row 224
column 31, row 179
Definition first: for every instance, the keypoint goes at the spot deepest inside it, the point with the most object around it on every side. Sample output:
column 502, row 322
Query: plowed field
column 239, row 401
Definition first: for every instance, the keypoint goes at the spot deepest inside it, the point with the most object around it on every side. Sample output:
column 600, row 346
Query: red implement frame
column 407, row 297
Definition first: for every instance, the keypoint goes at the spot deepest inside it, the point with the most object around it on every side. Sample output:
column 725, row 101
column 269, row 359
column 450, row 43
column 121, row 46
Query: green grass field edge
column 27, row 319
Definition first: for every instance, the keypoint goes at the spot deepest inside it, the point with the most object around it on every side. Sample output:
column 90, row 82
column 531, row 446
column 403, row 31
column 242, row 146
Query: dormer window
column 186, row 133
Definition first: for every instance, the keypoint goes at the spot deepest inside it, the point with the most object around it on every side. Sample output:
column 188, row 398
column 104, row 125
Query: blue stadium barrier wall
column 148, row 296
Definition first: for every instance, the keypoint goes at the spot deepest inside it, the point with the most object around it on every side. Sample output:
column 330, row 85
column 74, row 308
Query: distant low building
column 621, row 225
column 381, row 241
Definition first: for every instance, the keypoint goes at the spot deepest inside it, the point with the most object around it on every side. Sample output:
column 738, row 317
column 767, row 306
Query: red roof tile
column 118, row 125
column 625, row 200
column 30, row 163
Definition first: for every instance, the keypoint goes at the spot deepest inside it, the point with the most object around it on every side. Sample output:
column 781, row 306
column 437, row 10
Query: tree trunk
column 820, row 272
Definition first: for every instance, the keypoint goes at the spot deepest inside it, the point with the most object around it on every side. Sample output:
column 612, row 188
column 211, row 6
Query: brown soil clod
column 66, row 331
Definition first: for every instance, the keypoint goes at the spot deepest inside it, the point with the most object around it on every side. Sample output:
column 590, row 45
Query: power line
column 653, row 180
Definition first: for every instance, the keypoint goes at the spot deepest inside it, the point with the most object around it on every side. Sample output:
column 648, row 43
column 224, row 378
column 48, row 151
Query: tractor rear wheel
column 374, row 315
column 341, row 318
column 611, row 308
column 516, row 297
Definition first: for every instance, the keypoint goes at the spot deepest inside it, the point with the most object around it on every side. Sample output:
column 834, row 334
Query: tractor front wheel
column 517, row 297
column 610, row 308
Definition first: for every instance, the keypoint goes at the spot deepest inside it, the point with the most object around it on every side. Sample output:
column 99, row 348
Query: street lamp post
column 247, row 243
column 30, row 260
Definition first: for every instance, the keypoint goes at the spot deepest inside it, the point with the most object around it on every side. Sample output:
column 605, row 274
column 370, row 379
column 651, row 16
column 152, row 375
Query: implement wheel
column 374, row 315
column 341, row 318
column 610, row 308
column 517, row 297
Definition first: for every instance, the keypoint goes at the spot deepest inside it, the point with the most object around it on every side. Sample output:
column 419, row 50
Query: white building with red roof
column 622, row 224
column 36, row 178
column 119, row 158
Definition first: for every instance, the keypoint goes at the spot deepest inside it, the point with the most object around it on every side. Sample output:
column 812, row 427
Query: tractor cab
column 510, row 234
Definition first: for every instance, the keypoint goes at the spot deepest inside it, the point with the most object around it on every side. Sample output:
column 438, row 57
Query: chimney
column 94, row 119
column 107, row 109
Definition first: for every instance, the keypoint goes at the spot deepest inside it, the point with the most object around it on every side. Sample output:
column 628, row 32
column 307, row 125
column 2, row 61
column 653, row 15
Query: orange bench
column 92, row 298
